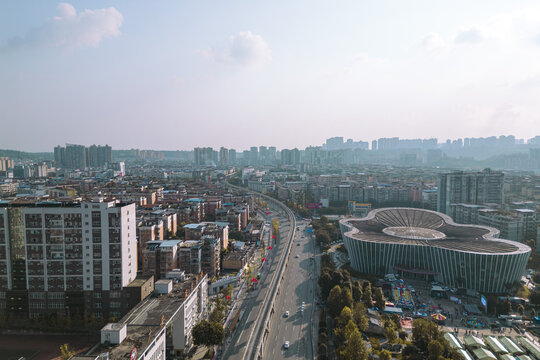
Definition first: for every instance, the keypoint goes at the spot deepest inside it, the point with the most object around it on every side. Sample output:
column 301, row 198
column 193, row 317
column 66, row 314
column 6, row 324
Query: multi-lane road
column 298, row 288
column 243, row 340
column 287, row 283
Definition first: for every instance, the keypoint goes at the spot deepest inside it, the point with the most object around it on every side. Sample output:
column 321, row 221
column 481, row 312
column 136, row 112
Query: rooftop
column 147, row 319
column 429, row 228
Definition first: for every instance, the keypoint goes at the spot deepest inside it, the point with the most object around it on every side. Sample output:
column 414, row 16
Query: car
column 286, row 314
column 297, row 244
column 297, row 256
column 303, row 303
column 286, row 345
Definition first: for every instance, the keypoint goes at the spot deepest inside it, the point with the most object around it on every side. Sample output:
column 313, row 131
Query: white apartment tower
column 73, row 256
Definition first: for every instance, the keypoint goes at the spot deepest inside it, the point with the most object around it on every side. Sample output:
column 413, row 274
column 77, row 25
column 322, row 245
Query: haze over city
column 249, row 180
column 176, row 75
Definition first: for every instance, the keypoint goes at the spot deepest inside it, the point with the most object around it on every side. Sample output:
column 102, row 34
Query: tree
column 385, row 355
column 208, row 333
column 366, row 296
column 346, row 298
column 411, row 352
column 236, row 235
column 423, row 332
column 535, row 297
column 217, row 315
column 390, row 331
column 66, row 352
column 323, row 237
column 343, row 332
column 344, row 317
column 435, row 350
column 326, row 283
column 356, row 291
column 359, row 316
column 354, row 348
column 334, row 301
column 378, row 297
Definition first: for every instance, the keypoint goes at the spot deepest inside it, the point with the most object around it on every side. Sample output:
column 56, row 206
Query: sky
column 173, row 75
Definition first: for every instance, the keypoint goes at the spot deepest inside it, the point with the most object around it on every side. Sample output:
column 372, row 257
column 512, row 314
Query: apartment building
column 514, row 224
column 470, row 187
column 160, row 257
column 66, row 256
column 189, row 256
column 210, row 251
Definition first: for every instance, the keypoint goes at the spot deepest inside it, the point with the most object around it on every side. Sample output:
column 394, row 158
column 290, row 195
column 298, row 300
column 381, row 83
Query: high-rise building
column 272, row 154
column 232, row 156
column 290, row 157
column 470, row 188
column 205, row 156
column 335, row 143
column 223, row 156
column 73, row 257
column 253, row 155
column 6, row 163
column 79, row 157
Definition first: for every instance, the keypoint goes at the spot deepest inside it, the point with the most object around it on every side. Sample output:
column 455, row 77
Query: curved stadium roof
column 429, row 228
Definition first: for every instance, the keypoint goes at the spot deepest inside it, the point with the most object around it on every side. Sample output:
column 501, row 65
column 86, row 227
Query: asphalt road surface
column 236, row 345
column 298, row 286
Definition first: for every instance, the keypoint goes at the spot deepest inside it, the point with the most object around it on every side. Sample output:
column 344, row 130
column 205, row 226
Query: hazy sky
column 179, row 74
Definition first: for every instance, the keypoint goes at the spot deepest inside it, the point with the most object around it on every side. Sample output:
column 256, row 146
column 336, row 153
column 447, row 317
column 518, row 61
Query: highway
column 251, row 302
column 299, row 285
column 244, row 342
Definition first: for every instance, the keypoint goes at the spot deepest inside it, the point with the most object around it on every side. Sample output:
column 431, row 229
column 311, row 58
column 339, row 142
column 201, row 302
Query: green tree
column 346, row 298
column 344, row 317
column 535, row 297
column 366, row 296
column 423, row 332
column 334, row 301
column 379, row 298
column 359, row 316
column 390, row 331
column 343, row 332
column 356, row 291
column 208, row 333
column 354, row 348
column 435, row 350
column 385, row 355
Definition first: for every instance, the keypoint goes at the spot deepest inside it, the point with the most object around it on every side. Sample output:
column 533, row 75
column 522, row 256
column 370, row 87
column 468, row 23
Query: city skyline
column 371, row 70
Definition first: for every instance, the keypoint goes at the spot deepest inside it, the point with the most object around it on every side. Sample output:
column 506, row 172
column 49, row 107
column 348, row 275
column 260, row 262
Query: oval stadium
column 428, row 245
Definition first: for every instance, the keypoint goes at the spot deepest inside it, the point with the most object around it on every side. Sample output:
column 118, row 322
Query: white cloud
column 362, row 61
column 473, row 34
column 72, row 30
column 433, row 41
column 245, row 49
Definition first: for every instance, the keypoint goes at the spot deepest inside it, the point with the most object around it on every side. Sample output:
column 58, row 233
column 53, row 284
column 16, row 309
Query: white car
column 297, row 256
column 286, row 345
column 286, row 314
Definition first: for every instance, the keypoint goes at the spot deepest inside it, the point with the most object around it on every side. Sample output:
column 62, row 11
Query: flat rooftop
column 146, row 320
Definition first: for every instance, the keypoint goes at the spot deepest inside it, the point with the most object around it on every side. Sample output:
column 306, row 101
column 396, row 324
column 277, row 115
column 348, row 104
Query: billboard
column 313, row 206
column 483, row 302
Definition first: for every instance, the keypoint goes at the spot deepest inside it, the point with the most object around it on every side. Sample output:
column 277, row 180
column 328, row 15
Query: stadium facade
column 427, row 244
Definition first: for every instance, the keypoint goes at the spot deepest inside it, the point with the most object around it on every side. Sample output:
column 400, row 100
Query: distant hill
column 21, row 155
